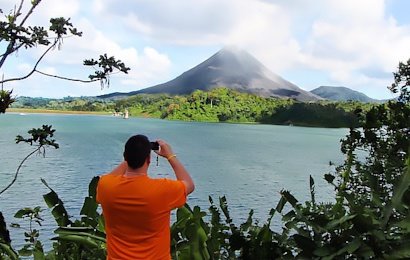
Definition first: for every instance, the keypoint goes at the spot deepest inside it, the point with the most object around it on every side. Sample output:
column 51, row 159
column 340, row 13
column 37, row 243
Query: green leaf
column 183, row 213
column 89, row 207
column 92, row 187
column 289, row 198
column 8, row 250
column 60, row 215
column 51, row 199
column 365, row 252
column 329, row 178
column 288, row 216
column 245, row 226
column 25, row 212
column 224, row 206
column 82, row 231
column 334, row 223
column 58, row 210
column 399, row 191
column 265, row 234
column 312, row 189
column 281, row 204
column 25, row 251
column 38, row 252
column 354, row 245
column 323, row 251
column 83, row 240
column 404, row 224
column 271, row 214
column 401, row 252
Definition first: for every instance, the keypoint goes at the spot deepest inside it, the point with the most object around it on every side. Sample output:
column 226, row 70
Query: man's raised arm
column 180, row 172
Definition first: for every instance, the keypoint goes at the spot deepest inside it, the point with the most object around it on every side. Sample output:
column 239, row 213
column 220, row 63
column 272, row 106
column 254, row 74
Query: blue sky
column 357, row 44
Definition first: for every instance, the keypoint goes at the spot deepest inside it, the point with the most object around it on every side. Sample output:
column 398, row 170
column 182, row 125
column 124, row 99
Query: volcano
column 235, row 69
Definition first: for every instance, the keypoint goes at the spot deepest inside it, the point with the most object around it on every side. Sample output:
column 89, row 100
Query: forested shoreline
column 217, row 105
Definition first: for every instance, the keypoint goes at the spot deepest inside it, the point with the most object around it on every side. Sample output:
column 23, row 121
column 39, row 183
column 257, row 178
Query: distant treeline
column 217, row 105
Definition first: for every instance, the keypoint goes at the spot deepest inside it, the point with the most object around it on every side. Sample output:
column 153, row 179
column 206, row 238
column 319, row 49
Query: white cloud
column 24, row 68
column 59, row 8
column 133, row 22
column 352, row 38
column 98, row 6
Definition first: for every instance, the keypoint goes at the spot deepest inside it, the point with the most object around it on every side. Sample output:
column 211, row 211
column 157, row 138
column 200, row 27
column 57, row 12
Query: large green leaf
column 8, row 250
column 404, row 224
column 81, row 231
column 56, row 204
column 281, row 204
column 83, row 240
column 92, row 187
column 323, row 251
column 51, row 199
column 401, row 252
column 60, row 215
column 289, row 198
column 399, row 190
column 89, row 208
column 312, row 189
column 224, row 207
column 348, row 248
column 335, row 223
column 245, row 226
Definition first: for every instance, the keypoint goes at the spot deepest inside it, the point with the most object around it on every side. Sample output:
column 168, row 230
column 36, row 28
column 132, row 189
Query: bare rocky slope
column 232, row 68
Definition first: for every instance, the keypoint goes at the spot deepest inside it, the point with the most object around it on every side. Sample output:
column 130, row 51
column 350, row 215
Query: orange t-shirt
column 137, row 215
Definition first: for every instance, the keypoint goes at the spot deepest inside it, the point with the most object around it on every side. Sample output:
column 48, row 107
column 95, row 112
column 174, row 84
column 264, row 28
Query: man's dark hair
column 136, row 151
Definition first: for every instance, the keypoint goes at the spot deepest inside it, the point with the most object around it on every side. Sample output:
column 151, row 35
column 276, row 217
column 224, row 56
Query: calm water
column 249, row 164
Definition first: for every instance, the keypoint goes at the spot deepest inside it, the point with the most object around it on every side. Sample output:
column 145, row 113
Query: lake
column 248, row 163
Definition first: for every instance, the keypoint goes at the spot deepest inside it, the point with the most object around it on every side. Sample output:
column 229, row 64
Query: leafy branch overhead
column 15, row 34
column 40, row 136
column 107, row 66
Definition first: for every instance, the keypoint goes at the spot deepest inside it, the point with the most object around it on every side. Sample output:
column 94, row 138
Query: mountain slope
column 235, row 69
column 341, row 94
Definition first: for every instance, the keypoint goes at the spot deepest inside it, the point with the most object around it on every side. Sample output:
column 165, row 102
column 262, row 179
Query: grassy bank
column 51, row 111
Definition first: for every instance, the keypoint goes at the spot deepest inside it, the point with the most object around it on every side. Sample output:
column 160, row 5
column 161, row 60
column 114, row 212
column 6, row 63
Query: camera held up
column 154, row 146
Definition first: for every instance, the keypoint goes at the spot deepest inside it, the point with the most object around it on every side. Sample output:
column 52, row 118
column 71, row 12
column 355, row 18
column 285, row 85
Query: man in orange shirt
column 136, row 207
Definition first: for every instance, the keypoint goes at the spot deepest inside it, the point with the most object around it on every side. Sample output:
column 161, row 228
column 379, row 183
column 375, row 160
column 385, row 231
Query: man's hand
column 180, row 172
column 165, row 149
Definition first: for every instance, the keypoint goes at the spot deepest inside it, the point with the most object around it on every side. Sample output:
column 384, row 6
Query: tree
column 17, row 35
column 370, row 217
column 402, row 82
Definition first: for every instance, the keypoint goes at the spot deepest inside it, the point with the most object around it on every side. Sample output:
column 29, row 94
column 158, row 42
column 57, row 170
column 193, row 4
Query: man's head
column 137, row 150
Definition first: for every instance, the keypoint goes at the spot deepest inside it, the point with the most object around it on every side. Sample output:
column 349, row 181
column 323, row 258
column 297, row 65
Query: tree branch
column 16, row 14
column 10, row 47
column 35, row 66
column 33, row 6
column 70, row 79
column 18, row 169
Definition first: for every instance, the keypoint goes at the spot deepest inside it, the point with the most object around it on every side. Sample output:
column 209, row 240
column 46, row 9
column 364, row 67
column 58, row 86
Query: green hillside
column 217, row 105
